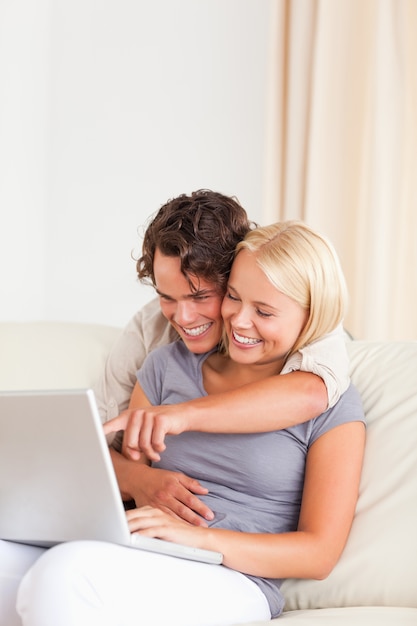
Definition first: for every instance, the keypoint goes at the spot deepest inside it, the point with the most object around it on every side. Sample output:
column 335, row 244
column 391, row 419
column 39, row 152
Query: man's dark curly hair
column 202, row 229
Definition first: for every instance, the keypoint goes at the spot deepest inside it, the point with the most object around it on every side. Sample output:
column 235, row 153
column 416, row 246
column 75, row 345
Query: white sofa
column 375, row 581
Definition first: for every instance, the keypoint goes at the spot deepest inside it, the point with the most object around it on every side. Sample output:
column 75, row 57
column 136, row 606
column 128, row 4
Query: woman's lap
column 101, row 584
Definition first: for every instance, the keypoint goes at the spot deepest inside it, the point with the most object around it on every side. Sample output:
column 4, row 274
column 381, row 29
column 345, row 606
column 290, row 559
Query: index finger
column 138, row 437
column 115, row 424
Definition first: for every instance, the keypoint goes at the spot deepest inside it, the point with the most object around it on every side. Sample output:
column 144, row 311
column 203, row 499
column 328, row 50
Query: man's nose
column 185, row 313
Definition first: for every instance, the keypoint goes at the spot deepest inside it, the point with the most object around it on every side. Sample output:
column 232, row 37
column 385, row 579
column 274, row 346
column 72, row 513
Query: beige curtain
column 342, row 146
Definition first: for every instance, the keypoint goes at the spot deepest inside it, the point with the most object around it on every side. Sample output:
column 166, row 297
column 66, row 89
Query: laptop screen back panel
column 33, row 497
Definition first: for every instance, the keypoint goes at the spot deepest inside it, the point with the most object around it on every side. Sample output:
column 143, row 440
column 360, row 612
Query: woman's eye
column 263, row 313
column 233, row 298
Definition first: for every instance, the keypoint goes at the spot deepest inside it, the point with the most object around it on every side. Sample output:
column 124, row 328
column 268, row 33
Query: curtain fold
column 342, row 146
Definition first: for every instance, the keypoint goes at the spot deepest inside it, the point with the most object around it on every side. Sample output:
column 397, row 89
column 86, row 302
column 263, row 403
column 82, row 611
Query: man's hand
column 173, row 492
column 145, row 429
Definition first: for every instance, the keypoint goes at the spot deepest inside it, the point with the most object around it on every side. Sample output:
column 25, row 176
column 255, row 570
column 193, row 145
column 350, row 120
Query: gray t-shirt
column 255, row 481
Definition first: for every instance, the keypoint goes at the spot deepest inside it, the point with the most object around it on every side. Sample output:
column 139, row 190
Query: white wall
column 107, row 109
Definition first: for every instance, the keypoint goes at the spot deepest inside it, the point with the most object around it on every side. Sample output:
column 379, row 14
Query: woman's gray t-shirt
column 255, row 481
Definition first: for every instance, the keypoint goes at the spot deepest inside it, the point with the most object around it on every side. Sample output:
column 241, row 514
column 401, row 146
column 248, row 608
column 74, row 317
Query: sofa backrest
column 379, row 563
column 52, row 355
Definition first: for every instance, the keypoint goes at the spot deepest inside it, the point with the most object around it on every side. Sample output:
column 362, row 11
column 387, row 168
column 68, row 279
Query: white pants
column 15, row 560
column 88, row 583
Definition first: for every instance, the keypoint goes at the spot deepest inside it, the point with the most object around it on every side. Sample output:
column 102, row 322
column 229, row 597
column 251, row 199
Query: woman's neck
column 221, row 374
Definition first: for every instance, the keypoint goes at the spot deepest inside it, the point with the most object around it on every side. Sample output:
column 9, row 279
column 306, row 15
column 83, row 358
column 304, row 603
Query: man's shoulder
column 150, row 326
column 150, row 312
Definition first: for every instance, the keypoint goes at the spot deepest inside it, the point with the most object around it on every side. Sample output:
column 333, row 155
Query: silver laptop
column 57, row 481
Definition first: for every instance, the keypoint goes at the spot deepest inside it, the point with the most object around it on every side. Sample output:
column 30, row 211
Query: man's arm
column 270, row 404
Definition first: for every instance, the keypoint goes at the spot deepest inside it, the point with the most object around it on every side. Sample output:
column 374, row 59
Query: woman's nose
column 242, row 318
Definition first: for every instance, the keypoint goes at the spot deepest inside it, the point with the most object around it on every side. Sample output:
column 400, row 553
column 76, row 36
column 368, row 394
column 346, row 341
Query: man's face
column 195, row 315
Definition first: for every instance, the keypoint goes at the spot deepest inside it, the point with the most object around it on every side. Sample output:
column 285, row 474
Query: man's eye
column 200, row 298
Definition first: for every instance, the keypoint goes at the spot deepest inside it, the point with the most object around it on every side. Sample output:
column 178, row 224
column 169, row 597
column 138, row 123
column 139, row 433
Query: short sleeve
column 348, row 409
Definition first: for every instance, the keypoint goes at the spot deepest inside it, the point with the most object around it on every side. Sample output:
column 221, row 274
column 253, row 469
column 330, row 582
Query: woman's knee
column 92, row 578
column 61, row 577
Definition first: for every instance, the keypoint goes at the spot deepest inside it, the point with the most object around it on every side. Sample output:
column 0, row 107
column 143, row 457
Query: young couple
column 273, row 492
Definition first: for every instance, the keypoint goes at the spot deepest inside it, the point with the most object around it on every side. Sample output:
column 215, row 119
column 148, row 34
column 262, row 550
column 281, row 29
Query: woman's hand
column 173, row 492
column 152, row 522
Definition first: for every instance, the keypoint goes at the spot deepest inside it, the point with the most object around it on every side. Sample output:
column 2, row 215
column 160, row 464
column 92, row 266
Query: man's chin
column 198, row 347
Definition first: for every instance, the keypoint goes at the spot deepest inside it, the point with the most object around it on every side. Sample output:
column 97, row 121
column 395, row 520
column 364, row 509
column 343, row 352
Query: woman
column 283, row 501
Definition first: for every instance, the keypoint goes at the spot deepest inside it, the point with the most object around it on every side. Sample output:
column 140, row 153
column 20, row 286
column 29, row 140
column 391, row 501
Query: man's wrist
column 191, row 416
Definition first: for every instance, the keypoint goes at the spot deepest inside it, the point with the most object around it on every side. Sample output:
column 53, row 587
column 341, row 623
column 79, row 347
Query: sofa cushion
column 349, row 616
column 52, row 355
column 379, row 563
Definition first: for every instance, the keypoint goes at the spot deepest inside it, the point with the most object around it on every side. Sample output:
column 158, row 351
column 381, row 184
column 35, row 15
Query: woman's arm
column 330, row 494
column 271, row 404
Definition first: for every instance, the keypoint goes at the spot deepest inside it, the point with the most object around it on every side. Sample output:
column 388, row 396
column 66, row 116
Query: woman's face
column 262, row 323
column 195, row 315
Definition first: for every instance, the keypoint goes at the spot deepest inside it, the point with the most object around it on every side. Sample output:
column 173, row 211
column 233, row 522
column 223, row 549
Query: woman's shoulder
column 351, row 398
column 347, row 409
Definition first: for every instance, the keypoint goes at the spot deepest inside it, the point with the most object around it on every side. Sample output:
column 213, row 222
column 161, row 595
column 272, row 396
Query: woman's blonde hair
column 304, row 266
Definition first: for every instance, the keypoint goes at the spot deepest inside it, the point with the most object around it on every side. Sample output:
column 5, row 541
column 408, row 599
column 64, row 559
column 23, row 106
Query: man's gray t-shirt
column 255, row 481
